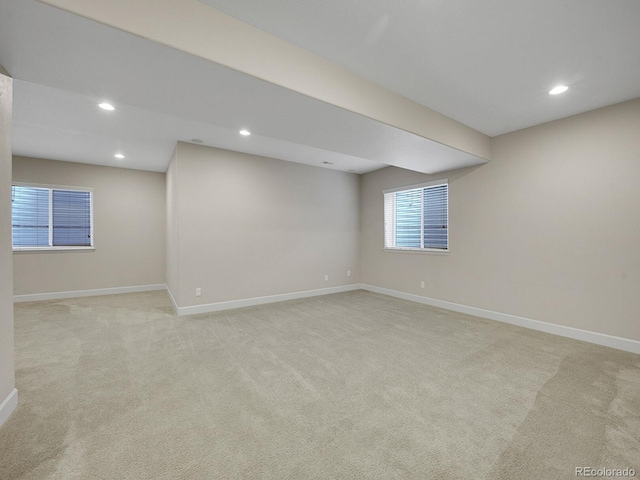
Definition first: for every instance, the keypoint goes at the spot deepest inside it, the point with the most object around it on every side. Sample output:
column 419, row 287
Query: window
column 51, row 218
column 417, row 217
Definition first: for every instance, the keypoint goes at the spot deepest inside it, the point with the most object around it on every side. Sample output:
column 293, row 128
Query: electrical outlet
column 348, row 273
column 422, row 284
column 198, row 292
column 326, row 278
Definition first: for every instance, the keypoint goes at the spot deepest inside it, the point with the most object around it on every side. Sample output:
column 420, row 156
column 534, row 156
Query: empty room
column 319, row 240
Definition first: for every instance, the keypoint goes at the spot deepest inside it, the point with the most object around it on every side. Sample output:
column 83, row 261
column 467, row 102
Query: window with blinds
column 51, row 217
column 417, row 217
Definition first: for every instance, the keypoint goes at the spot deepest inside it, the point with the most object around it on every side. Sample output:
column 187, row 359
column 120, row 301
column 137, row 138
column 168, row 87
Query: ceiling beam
column 200, row 30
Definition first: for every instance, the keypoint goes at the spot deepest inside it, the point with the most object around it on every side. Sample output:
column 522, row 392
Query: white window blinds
column 50, row 217
column 71, row 218
column 30, row 216
column 417, row 218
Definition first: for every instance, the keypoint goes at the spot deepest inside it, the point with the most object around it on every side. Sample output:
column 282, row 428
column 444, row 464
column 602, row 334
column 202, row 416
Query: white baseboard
column 249, row 302
column 555, row 329
column 34, row 297
column 619, row 343
column 8, row 406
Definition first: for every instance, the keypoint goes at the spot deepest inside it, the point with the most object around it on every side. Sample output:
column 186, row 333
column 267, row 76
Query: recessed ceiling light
column 106, row 106
column 558, row 89
column 197, row 140
column 245, row 132
column 119, row 156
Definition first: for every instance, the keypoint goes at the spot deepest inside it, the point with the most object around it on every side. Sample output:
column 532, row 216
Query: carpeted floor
column 346, row 386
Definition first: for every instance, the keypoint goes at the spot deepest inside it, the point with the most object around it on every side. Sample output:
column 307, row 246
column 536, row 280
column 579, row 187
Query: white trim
column 249, row 302
column 435, row 183
column 52, row 186
column 8, row 406
column 176, row 309
column 50, row 226
column 619, row 343
column 51, row 249
column 34, row 297
column 416, row 250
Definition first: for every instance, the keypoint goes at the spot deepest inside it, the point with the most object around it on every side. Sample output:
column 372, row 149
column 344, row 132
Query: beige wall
column 548, row 230
column 252, row 226
column 129, row 230
column 7, row 369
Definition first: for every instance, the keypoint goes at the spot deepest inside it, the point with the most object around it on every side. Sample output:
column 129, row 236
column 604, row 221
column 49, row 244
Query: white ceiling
column 488, row 64
column 63, row 65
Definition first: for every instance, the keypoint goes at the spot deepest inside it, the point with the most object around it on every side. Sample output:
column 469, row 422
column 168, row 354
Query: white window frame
column 51, row 248
column 387, row 215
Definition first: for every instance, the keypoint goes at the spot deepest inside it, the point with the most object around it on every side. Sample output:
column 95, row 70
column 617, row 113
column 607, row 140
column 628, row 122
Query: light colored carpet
column 353, row 385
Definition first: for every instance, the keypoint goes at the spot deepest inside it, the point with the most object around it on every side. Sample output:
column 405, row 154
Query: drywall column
column 8, row 392
column 171, row 278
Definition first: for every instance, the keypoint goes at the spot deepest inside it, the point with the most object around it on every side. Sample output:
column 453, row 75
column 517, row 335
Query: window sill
column 52, row 249
column 417, row 250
